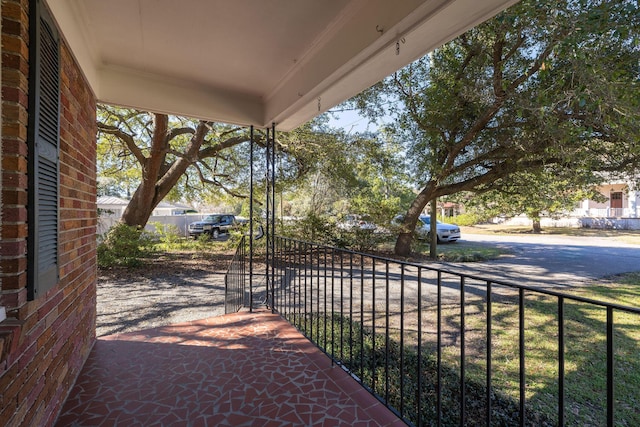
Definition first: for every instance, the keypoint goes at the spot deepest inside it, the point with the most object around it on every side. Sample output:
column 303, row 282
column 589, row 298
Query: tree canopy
column 544, row 191
column 544, row 85
column 353, row 174
column 150, row 157
column 152, row 153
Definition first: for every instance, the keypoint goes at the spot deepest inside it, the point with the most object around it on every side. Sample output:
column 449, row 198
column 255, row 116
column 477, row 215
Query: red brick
column 49, row 305
column 14, row 265
column 15, row 61
column 14, row 10
column 14, row 197
column 14, row 78
column 14, row 163
column 16, row 180
column 13, row 248
column 14, row 214
column 15, row 130
column 34, row 383
column 13, row 283
column 13, row 146
column 12, row 27
column 15, row 44
column 13, row 231
column 60, row 322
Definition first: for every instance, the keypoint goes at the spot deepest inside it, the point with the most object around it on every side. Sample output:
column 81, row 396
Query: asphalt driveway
column 552, row 261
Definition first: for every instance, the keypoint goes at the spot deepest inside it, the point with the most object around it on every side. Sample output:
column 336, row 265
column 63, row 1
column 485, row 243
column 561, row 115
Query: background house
column 623, row 201
column 111, row 206
column 166, row 208
column 620, row 210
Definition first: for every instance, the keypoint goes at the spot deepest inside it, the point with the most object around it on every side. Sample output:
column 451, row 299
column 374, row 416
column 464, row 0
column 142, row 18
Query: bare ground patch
column 170, row 288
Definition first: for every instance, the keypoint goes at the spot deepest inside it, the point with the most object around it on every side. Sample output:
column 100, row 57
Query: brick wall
column 44, row 343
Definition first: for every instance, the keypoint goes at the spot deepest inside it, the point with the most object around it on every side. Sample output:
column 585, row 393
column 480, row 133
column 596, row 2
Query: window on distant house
column 43, row 139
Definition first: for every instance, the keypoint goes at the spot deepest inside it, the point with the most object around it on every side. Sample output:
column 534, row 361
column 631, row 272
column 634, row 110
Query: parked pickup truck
column 214, row 225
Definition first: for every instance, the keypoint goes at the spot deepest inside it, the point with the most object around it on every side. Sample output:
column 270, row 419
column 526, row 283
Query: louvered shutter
column 44, row 141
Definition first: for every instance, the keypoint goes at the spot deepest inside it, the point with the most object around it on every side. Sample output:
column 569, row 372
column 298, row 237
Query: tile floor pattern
column 243, row 369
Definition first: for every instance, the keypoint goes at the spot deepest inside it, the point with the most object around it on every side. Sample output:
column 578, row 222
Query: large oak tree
column 152, row 156
column 543, row 85
column 154, row 151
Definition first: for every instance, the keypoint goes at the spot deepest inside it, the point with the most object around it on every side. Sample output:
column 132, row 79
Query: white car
column 445, row 232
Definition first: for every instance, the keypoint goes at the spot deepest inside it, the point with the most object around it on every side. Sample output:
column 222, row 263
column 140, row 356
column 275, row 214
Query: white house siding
column 112, row 209
column 630, row 206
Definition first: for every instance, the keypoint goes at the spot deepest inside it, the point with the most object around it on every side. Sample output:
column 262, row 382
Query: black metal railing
column 235, row 280
column 440, row 347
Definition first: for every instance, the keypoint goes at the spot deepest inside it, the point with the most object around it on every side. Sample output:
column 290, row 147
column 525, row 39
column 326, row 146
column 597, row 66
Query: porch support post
column 273, row 215
column 251, row 220
column 270, row 216
column 267, row 297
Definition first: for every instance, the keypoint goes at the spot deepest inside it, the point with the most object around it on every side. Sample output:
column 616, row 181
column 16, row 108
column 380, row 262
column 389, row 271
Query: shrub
column 123, row 246
column 312, row 228
column 360, row 240
column 466, row 219
column 167, row 234
column 234, row 237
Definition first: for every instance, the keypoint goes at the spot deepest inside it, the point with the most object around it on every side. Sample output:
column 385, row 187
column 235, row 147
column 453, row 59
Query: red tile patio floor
column 243, row 369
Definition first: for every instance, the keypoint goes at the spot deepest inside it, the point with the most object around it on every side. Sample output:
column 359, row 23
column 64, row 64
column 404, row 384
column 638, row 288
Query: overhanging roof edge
column 384, row 59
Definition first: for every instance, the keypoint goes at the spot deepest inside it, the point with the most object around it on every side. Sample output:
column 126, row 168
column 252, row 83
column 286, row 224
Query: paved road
column 553, row 260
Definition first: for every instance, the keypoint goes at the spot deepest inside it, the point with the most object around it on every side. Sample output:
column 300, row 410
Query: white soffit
column 253, row 61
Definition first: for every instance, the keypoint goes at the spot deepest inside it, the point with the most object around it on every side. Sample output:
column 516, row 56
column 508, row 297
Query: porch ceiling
column 253, row 61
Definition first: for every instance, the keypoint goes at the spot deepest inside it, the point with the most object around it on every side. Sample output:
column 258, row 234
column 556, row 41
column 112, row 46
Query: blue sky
column 351, row 121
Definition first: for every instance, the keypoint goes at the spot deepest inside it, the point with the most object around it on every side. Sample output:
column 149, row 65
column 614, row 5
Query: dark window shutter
column 44, row 141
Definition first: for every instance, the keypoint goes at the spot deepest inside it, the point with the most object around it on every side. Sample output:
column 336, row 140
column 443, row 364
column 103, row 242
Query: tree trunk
column 537, row 229
column 403, row 243
column 157, row 178
column 142, row 203
column 140, row 207
column 535, row 217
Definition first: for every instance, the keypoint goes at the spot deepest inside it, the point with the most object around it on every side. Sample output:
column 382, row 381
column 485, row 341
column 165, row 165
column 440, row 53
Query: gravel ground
column 170, row 289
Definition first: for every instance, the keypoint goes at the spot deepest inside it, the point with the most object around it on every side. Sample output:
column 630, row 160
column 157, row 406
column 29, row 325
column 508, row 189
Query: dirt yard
column 170, row 289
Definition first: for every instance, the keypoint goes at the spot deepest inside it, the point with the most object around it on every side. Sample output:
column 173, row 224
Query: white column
column 585, row 207
column 633, row 203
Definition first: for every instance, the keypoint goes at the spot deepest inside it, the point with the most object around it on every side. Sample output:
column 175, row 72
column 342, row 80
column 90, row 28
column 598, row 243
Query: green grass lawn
column 585, row 359
column 627, row 236
column 585, row 351
column 394, row 376
column 463, row 251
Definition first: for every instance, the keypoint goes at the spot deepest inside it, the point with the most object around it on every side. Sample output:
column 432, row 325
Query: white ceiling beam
column 165, row 95
column 352, row 47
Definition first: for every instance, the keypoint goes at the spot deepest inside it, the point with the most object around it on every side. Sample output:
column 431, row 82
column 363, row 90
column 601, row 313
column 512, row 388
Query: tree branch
column 124, row 137
column 175, row 132
column 212, row 151
column 218, row 184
